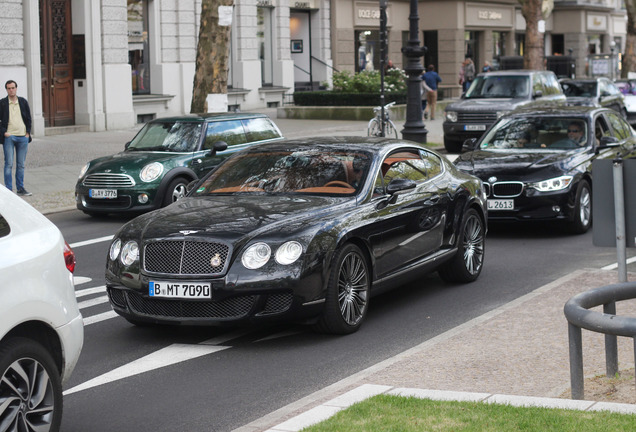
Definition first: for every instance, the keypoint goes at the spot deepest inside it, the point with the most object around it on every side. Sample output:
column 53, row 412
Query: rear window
column 497, row 86
column 259, row 129
column 5, row 229
column 230, row 131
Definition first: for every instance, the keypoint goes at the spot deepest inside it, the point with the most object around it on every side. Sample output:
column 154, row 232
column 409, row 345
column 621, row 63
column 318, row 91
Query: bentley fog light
column 553, row 184
column 256, row 256
column 288, row 252
column 129, row 253
column 151, row 172
column 115, row 248
column 451, row 116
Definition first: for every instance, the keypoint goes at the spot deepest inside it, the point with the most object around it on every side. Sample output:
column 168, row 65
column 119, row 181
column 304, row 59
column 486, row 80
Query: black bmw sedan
column 537, row 164
column 300, row 230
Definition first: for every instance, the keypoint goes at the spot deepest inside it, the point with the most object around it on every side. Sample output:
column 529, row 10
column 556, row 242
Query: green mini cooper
column 165, row 156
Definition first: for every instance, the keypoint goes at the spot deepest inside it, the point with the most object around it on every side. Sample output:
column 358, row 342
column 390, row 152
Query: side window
column 229, row 131
column 405, row 165
column 259, row 129
column 602, row 88
column 433, row 164
column 5, row 229
column 537, row 84
column 620, row 127
column 553, row 85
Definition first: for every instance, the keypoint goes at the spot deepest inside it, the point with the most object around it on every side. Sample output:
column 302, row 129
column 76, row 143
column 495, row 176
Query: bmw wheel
column 347, row 299
column 467, row 263
column 30, row 388
column 582, row 208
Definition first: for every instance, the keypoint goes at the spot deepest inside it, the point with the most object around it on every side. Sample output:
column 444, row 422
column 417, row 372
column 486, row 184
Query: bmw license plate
column 501, row 204
column 102, row 193
column 475, row 127
column 181, row 290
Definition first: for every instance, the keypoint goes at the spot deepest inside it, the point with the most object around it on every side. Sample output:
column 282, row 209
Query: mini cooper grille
column 185, row 257
column 476, row 117
column 234, row 307
column 103, row 180
column 277, row 303
column 507, row 189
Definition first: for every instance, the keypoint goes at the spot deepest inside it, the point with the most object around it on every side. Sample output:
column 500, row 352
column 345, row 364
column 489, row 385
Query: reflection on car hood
column 501, row 163
column 485, row 104
column 130, row 162
column 230, row 217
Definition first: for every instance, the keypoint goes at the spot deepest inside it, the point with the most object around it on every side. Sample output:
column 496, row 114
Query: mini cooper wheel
column 347, row 292
column 467, row 263
column 176, row 190
column 30, row 388
column 582, row 219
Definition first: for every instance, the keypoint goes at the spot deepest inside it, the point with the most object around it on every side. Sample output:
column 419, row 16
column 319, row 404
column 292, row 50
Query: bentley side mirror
column 469, row 144
column 399, row 185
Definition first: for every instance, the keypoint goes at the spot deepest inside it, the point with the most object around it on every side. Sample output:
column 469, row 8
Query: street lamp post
column 414, row 128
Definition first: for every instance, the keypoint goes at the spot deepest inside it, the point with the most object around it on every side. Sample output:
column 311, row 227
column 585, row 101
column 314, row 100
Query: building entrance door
column 56, row 63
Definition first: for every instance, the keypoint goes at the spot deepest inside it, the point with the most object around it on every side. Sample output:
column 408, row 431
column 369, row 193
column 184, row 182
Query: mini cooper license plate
column 501, row 204
column 475, row 127
column 181, row 290
column 102, row 193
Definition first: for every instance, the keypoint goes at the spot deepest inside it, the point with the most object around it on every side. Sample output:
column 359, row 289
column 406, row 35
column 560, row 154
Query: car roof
column 208, row 117
column 358, row 143
column 582, row 80
column 515, row 72
column 563, row 111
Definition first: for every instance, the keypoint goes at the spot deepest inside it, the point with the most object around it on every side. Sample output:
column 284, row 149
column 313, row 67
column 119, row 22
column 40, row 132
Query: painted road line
column 91, row 241
column 100, row 317
column 615, row 265
column 89, row 291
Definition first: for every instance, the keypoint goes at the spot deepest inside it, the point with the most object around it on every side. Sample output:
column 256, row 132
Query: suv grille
column 477, row 117
column 102, row 180
column 186, row 257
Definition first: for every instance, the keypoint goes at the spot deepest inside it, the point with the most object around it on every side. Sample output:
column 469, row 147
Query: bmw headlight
column 256, row 256
column 451, row 116
column 151, row 172
column 115, row 248
column 84, row 170
column 553, row 184
column 129, row 253
column 288, row 252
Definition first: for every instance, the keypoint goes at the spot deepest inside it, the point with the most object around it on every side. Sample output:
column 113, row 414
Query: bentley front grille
column 185, row 257
column 234, row 307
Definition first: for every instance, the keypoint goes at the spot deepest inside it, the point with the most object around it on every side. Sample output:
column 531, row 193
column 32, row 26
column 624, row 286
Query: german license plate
column 102, row 193
column 475, row 127
column 501, row 204
column 182, row 290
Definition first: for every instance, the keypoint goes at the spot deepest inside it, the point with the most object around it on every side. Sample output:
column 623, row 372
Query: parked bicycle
column 375, row 124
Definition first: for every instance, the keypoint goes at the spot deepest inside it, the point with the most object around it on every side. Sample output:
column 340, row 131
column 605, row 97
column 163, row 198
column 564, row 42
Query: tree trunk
column 211, row 71
column 533, row 54
column 629, row 56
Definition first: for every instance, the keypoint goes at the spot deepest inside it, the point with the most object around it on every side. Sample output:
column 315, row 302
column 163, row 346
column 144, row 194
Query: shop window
column 265, row 40
column 471, row 44
column 520, row 42
column 558, row 44
column 430, row 42
column 498, row 44
column 138, row 50
column 595, row 44
column 368, row 50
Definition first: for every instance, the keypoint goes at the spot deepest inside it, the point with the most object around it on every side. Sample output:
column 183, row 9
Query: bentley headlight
column 256, row 256
column 115, row 248
column 451, row 116
column 553, row 184
column 84, row 170
column 151, row 172
column 129, row 253
column 288, row 252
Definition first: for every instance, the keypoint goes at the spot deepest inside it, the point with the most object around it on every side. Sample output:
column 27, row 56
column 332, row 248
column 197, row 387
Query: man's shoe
column 24, row 192
column 425, row 115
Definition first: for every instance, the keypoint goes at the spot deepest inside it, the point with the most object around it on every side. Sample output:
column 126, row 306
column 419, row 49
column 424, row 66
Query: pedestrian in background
column 487, row 67
column 431, row 79
column 424, row 91
column 469, row 72
column 15, row 135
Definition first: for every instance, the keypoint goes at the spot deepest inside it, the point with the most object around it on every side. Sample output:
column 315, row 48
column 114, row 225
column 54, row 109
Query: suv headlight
column 451, row 116
column 151, row 172
column 501, row 113
column 553, row 184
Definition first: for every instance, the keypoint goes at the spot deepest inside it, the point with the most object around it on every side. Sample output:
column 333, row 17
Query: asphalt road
column 218, row 379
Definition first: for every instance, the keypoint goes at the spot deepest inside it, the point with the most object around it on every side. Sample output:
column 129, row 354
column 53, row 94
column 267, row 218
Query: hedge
column 330, row 98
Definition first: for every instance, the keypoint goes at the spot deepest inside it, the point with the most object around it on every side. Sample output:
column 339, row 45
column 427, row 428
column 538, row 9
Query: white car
column 41, row 327
column 628, row 88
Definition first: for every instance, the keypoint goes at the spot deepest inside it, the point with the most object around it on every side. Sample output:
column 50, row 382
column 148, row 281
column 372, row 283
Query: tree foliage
column 212, row 61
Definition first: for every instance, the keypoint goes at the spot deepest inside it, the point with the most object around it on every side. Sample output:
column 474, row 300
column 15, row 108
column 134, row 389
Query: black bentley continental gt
column 537, row 164
column 301, row 231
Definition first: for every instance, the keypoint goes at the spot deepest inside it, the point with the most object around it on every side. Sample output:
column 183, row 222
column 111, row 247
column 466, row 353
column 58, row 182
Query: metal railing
column 580, row 317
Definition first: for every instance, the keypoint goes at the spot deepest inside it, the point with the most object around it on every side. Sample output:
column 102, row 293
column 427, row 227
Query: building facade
column 108, row 64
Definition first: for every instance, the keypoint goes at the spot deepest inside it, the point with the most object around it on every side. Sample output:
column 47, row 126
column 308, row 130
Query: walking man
column 15, row 135
column 432, row 79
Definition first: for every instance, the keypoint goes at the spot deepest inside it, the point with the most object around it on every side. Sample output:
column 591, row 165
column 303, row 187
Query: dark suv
column 494, row 94
column 598, row 92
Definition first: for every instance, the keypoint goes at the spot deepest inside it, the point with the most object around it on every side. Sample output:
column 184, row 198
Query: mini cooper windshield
column 168, row 137
column 308, row 171
column 537, row 134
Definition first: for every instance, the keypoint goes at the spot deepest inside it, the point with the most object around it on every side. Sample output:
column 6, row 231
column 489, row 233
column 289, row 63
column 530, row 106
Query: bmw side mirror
column 469, row 144
column 608, row 141
column 537, row 94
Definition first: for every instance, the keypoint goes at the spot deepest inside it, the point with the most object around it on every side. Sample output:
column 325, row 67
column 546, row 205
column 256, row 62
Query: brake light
column 69, row 257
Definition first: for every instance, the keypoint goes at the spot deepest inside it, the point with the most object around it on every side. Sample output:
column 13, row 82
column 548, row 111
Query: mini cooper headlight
column 115, row 248
column 151, row 172
column 84, row 170
column 129, row 253
column 553, row 184
column 256, row 256
column 288, row 252
column 451, row 116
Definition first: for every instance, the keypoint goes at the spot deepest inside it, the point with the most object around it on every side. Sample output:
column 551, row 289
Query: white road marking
column 91, row 241
column 79, row 280
column 89, row 291
column 93, row 302
column 279, row 335
column 615, row 265
column 100, row 317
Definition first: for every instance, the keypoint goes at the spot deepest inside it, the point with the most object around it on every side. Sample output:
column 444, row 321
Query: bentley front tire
column 466, row 265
